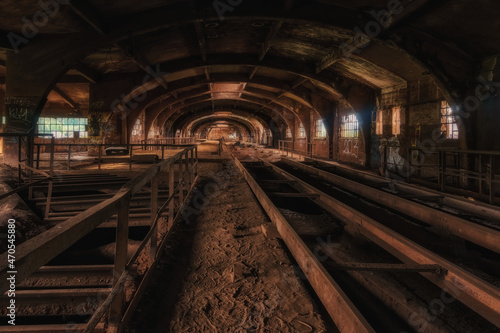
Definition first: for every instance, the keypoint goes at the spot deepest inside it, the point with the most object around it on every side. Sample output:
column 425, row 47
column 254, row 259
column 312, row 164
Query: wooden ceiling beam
column 66, row 98
column 408, row 10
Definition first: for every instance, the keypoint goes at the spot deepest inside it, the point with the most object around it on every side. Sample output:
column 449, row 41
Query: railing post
column 131, row 148
column 115, row 312
column 188, row 171
column 154, row 210
column 192, row 165
column 171, row 193
column 492, row 179
column 196, row 156
column 69, row 156
column 100, row 156
column 51, row 181
column 181, row 181
column 38, row 156
column 443, row 170
column 410, row 165
column 480, row 174
column 162, row 152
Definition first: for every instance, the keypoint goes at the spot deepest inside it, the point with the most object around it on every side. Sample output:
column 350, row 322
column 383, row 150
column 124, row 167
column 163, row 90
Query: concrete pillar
column 27, row 87
column 487, row 115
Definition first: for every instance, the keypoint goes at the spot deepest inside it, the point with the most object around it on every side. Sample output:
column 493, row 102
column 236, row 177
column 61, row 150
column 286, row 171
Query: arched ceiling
column 268, row 59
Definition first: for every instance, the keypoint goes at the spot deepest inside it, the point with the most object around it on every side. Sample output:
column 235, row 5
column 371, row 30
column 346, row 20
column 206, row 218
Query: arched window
column 449, row 127
column 349, row 126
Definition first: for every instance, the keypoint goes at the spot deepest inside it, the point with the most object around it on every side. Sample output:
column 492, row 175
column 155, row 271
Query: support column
column 27, row 86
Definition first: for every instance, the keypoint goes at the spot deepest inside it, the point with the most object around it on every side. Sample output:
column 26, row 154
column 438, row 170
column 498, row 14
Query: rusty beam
column 373, row 267
column 89, row 14
column 471, row 290
column 343, row 312
column 75, row 106
column 473, row 232
column 269, row 39
column 88, row 73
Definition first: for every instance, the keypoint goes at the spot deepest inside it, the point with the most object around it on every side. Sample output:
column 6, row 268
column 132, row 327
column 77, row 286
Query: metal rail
column 100, row 148
column 475, row 233
column 39, row 250
column 472, row 291
column 481, row 209
column 344, row 313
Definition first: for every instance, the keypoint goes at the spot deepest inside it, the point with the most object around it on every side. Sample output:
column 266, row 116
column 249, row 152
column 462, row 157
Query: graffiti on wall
column 351, row 148
column 20, row 111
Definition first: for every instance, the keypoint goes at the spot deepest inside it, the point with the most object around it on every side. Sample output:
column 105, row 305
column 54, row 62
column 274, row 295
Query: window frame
column 319, row 129
column 349, row 126
column 396, row 120
column 63, row 127
column 449, row 125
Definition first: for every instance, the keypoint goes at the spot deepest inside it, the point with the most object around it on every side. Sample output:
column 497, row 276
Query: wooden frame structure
column 39, row 250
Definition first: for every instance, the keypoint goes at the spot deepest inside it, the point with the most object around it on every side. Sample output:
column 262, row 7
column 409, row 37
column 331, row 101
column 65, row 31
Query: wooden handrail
column 44, row 247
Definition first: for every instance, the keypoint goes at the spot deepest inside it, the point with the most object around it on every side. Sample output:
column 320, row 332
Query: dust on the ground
column 230, row 278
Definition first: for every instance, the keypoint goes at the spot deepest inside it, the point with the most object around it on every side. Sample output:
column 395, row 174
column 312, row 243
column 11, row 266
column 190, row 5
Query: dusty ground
column 222, row 274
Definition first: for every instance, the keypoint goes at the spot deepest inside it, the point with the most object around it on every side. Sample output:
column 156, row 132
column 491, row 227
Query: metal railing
column 39, row 250
column 100, row 149
column 27, row 163
column 467, row 172
column 288, row 148
column 169, row 141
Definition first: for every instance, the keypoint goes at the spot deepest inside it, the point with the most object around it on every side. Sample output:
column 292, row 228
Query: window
column 379, row 123
column 63, row 128
column 449, row 127
column 320, row 129
column 302, row 131
column 349, row 126
column 137, row 129
column 396, row 121
column 288, row 133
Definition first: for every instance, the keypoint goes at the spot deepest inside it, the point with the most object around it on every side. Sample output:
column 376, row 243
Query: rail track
column 385, row 250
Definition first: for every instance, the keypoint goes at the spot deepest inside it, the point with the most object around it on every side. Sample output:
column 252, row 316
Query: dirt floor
column 221, row 274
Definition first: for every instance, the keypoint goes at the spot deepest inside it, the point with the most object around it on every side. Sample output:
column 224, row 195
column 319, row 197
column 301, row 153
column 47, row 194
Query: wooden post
column 480, row 174
column 131, row 148
column 171, row 188
column 19, row 160
column 121, row 248
column 181, row 181
column 409, row 167
column 196, row 155
column 188, row 171
column 69, row 156
column 443, row 170
column 100, row 155
column 49, row 190
column 38, row 156
column 154, row 210
column 492, row 179
column 162, row 152
column 192, row 166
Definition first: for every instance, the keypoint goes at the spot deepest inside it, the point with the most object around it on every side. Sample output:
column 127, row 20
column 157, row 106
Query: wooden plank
column 373, row 267
column 343, row 312
column 42, row 248
column 121, row 250
column 474, row 292
column 475, row 233
column 50, row 328
column 171, row 180
column 154, row 210
column 293, row 195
